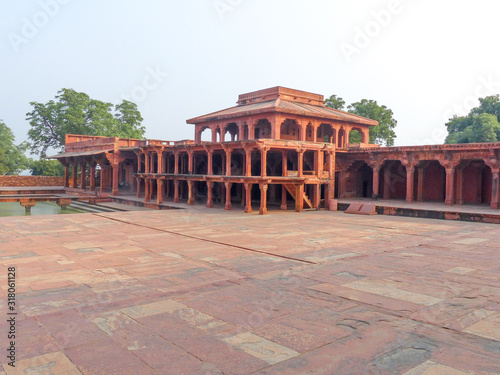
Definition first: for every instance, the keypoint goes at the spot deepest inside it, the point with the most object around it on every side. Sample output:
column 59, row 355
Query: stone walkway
column 217, row 292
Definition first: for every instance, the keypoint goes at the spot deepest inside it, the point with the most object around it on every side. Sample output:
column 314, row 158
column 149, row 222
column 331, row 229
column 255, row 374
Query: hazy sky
column 180, row 59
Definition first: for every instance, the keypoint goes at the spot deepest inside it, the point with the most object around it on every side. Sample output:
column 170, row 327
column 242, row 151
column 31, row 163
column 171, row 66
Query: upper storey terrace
column 282, row 113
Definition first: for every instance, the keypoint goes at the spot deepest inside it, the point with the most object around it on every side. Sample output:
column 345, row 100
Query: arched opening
column 232, row 129
column 356, row 136
column 290, row 130
column 473, row 182
column 393, row 180
column 204, row 135
column 430, row 181
column 325, row 133
column 263, row 129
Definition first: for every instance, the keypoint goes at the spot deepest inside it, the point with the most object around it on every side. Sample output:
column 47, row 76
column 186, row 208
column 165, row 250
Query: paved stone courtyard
column 216, row 292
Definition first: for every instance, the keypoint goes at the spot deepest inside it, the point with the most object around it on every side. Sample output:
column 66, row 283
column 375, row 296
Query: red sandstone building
column 281, row 147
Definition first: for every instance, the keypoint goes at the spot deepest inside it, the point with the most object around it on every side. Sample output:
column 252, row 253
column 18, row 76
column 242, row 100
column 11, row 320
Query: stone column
column 376, row 181
column 495, row 189
column 138, row 187
column 284, row 205
column 176, row 191
column 318, row 162
column 228, row 205
column 83, row 173
column 146, row 163
column 263, row 199
column 222, row 134
column 420, row 187
column 241, row 131
column 299, row 198
column 263, row 162
column 190, row 162
column 210, row 199
column 214, row 134
column 139, row 162
column 66, row 175
column 161, row 167
column 176, row 162
column 410, row 184
column 248, row 197
column 450, row 188
column 190, row 193
column 228, row 162
column 284, row 163
column 92, row 177
column 317, row 196
column 114, row 190
column 210, row 170
column 248, row 162
column 160, row 195
column 300, row 168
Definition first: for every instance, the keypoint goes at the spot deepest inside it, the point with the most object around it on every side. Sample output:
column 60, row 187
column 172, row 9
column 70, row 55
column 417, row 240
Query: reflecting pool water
column 41, row 208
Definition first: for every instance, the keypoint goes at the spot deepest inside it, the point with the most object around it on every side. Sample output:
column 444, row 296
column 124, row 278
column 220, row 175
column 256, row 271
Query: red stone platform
column 223, row 292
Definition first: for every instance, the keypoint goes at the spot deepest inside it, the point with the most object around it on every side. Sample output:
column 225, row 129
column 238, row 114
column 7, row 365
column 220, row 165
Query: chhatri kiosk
column 281, row 147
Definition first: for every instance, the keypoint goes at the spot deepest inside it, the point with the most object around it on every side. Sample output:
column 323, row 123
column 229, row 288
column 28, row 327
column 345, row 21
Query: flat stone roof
column 222, row 292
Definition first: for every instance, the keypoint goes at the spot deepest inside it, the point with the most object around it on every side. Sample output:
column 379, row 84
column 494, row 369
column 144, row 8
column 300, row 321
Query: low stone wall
column 12, row 181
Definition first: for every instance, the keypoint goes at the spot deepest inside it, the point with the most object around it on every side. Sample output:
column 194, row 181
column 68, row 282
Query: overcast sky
column 423, row 59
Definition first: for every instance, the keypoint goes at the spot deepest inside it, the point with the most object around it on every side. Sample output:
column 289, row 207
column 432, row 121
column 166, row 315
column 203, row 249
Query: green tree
column 383, row 134
column 335, row 102
column 12, row 158
column 44, row 167
column 76, row 113
column 479, row 126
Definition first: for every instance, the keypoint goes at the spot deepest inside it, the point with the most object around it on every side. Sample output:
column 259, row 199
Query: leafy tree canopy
column 479, row 126
column 12, row 158
column 383, row 134
column 76, row 113
column 44, row 167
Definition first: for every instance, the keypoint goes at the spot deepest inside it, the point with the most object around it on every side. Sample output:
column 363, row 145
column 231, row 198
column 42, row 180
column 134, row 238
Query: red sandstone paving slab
column 107, row 357
column 209, row 349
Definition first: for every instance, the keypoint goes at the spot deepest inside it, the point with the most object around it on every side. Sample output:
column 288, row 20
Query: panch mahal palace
column 280, row 147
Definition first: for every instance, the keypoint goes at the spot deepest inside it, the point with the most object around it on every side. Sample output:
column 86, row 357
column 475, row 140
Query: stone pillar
column 210, row 170
column 420, row 187
column 241, row 131
column 284, row 205
column 410, row 184
column 138, row 187
column 176, row 191
column 214, row 134
column 190, row 162
column 318, row 162
column 299, row 198
column 161, row 168
column 146, row 163
column 114, row 190
column 495, row 189
column 103, row 178
column 176, row 163
column 450, row 188
column 66, row 175
column 139, row 162
column 376, row 181
column 300, row 168
column 228, row 162
column 210, row 199
column 248, row 162
column 160, row 195
column 190, row 193
column 263, row 199
column 263, row 163
column 317, row 196
column 284, row 163
column 248, row 198
column 222, row 134
column 228, row 205
column 92, row 177
column 83, row 167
